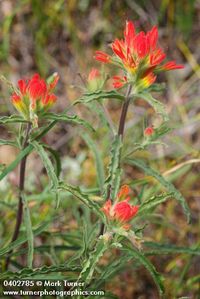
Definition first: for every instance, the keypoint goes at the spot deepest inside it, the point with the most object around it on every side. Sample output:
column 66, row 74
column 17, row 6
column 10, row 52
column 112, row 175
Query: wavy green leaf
column 47, row 163
column 104, row 117
column 114, row 171
column 157, row 106
column 91, row 262
column 140, row 257
column 56, row 158
column 26, row 151
column 27, row 273
column 98, row 160
column 73, row 119
column 14, row 164
column 115, row 267
column 99, row 95
column 12, row 119
column 8, row 142
column 22, row 239
column 170, row 249
column 168, row 185
column 153, row 202
column 84, row 198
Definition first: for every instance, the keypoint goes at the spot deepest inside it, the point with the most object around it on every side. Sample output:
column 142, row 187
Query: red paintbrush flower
column 120, row 212
column 34, row 95
column 139, row 56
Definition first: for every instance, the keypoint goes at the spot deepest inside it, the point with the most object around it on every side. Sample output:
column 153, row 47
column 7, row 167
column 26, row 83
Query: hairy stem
column 21, row 189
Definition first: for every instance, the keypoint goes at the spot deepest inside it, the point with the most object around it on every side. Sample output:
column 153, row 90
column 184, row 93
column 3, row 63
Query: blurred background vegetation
column 57, row 35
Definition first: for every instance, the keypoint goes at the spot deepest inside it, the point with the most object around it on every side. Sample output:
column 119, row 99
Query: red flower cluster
column 34, row 95
column 139, row 56
column 120, row 212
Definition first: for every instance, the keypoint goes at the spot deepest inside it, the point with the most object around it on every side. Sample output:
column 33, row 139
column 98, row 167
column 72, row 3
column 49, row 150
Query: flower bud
column 94, row 80
column 149, row 131
column 34, row 96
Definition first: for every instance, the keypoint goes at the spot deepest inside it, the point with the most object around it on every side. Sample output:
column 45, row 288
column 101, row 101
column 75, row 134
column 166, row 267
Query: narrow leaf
column 22, row 239
column 153, row 202
column 114, row 172
column 83, row 198
column 158, row 106
column 14, row 164
column 168, row 185
column 139, row 256
column 26, row 151
column 90, row 263
column 170, row 249
column 98, row 95
column 47, row 163
column 8, row 142
column 56, row 158
column 29, row 273
column 98, row 160
column 73, row 119
column 12, row 119
column 115, row 267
